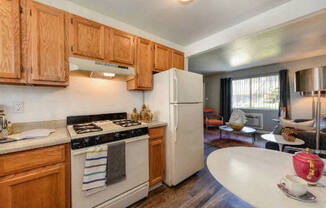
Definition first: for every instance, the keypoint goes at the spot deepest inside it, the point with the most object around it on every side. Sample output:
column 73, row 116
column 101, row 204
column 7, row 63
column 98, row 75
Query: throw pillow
column 322, row 124
column 277, row 130
column 305, row 126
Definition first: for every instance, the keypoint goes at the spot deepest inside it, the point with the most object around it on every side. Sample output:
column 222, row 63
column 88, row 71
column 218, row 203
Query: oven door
column 137, row 171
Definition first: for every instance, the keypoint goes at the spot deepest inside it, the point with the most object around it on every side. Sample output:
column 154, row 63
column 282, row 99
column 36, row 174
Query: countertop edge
column 156, row 124
column 30, row 144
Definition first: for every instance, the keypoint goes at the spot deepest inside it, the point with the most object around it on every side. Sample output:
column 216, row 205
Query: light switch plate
column 18, row 107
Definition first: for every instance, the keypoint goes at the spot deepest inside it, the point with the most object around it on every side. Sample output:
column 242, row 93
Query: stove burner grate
column 126, row 122
column 86, row 128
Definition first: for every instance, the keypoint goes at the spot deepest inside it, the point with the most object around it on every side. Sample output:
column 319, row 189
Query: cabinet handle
column 21, row 68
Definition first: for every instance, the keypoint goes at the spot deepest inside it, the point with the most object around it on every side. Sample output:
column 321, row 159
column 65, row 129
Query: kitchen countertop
column 155, row 124
column 60, row 136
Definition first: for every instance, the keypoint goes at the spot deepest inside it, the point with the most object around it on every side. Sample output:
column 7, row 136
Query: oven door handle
column 83, row 151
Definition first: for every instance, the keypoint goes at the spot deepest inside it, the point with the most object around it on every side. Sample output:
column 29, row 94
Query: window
column 256, row 93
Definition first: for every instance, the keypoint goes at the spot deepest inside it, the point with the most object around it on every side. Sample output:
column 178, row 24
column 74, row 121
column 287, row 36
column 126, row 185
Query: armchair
column 211, row 119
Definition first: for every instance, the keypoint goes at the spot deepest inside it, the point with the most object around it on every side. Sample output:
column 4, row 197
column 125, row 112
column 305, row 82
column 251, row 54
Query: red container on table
column 308, row 166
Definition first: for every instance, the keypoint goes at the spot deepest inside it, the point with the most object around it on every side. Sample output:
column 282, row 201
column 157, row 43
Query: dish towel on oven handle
column 95, row 168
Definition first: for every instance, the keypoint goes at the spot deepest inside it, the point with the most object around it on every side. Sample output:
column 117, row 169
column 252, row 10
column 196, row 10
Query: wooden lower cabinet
column 156, row 155
column 41, row 187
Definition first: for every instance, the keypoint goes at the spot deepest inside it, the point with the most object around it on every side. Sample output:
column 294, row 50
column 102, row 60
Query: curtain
column 285, row 93
column 225, row 99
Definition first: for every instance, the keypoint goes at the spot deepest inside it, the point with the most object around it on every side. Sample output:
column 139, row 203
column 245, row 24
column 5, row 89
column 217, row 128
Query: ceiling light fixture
column 186, row 1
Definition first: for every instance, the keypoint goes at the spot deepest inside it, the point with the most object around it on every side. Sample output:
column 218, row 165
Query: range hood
column 99, row 67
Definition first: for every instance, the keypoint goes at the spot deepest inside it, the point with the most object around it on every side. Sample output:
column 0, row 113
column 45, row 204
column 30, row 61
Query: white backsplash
column 83, row 96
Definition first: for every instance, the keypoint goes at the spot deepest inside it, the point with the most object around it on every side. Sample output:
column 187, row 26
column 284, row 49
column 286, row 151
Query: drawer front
column 156, row 132
column 21, row 161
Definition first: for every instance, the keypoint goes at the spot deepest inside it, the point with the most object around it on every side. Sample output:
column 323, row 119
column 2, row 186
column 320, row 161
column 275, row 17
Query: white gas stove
column 98, row 130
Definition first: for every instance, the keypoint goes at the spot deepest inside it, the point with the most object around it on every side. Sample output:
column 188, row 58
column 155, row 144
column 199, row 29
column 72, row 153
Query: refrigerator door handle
column 175, row 87
column 176, row 121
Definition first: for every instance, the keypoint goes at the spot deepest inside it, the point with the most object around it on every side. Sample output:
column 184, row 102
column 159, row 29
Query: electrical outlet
column 18, row 107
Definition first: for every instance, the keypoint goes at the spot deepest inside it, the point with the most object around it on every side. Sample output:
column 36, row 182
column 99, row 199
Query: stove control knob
column 117, row 135
column 139, row 132
column 86, row 141
column 97, row 140
column 124, row 135
column 77, row 144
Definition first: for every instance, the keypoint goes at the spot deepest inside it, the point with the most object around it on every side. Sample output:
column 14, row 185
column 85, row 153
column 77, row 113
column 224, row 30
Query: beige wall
column 83, row 96
column 301, row 106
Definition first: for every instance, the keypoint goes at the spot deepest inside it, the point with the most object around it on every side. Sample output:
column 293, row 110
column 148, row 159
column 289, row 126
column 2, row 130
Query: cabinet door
column 122, row 47
column 156, row 155
column 43, row 187
column 10, row 51
column 178, row 59
column 162, row 58
column 144, row 68
column 156, row 159
column 87, row 38
column 48, row 43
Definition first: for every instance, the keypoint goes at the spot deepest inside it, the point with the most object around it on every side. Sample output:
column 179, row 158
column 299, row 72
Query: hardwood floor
column 199, row 191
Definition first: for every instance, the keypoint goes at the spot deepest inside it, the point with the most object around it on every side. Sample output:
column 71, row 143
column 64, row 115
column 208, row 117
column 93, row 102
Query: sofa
column 308, row 135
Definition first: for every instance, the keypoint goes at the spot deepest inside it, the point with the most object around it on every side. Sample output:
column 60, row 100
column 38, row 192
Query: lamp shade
column 310, row 80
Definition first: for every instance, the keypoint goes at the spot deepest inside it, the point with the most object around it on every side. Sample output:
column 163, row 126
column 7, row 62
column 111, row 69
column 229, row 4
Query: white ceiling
column 181, row 24
column 300, row 39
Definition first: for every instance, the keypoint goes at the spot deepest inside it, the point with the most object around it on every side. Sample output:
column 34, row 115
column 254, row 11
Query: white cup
column 295, row 185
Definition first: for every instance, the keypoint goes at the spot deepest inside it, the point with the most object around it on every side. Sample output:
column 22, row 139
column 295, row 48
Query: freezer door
column 185, row 87
column 188, row 144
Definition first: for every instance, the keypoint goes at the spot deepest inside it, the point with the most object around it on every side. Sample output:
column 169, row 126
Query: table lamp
column 312, row 82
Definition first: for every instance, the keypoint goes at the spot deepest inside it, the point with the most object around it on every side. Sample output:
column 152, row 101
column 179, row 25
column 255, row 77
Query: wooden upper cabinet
column 178, row 60
column 122, row 47
column 42, row 187
column 86, row 38
column 47, row 44
column 144, row 66
column 10, row 46
column 163, row 56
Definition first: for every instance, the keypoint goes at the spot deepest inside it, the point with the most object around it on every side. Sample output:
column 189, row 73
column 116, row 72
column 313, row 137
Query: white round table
column 252, row 174
column 280, row 140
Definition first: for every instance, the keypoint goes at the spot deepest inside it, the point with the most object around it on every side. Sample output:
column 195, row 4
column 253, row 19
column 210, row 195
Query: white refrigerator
column 177, row 98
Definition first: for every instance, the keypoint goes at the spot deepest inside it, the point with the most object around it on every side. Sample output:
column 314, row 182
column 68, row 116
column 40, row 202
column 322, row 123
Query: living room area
column 256, row 91
column 264, row 116
column 269, row 95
